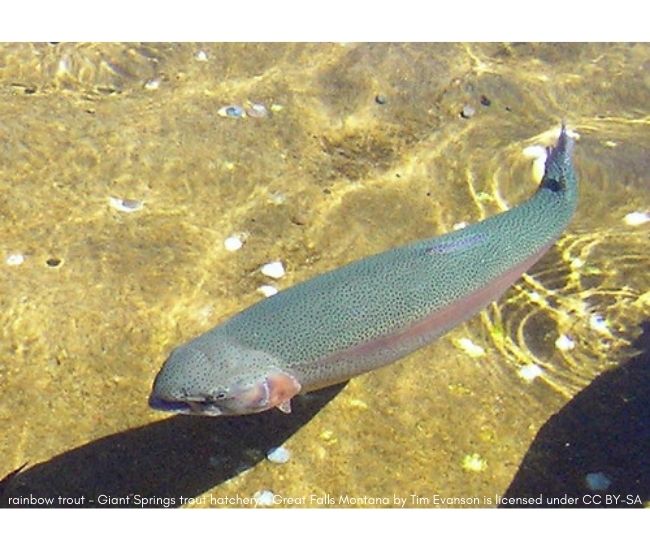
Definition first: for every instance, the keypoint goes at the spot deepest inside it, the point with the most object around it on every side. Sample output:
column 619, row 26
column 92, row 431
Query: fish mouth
column 184, row 407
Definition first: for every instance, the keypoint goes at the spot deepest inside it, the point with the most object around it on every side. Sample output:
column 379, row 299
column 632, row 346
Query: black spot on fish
column 552, row 184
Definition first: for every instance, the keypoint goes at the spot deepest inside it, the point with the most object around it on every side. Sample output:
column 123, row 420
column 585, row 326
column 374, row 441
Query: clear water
column 326, row 173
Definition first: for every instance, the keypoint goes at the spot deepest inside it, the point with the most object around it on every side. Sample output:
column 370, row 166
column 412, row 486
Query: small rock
column 201, row 56
column 299, row 218
column 485, row 101
column 636, row 218
column 597, row 481
column 275, row 270
column 264, row 497
column 468, row 111
column 530, row 372
column 577, row 263
column 231, row 111
column 257, row 110
column 277, row 197
column 278, row 455
column 598, row 323
column 152, row 84
column 358, row 404
column 380, row 99
column 125, row 205
column 564, row 343
column 327, row 435
column 469, row 347
column 233, row 243
column 267, row 290
column 15, row 259
column 53, row 262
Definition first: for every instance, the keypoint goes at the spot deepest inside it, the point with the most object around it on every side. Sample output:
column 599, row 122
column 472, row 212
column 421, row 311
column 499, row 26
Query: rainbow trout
column 368, row 313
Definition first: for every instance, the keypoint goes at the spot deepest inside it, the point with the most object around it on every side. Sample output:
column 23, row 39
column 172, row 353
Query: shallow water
column 362, row 147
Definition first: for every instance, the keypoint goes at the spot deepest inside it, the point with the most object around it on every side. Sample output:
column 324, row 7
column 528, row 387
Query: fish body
column 368, row 313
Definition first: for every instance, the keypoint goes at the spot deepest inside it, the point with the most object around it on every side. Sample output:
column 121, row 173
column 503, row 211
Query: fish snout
column 185, row 373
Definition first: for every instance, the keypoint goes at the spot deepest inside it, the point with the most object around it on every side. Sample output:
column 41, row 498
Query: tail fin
column 558, row 170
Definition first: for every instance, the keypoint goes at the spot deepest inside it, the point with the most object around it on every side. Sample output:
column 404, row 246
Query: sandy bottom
column 121, row 180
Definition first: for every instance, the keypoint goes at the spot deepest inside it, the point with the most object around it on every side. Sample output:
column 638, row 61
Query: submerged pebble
column 277, row 197
column 267, row 290
column 125, row 205
column 233, row 243
column 264, row 497
column 598, row 323
column 328, row 436
column 474, row 463
column 564, row 343
column 636, row 218
column 468, row 111
column 469, row 347
column 257, row 110
column 597, row 481
column 358, row 404
column 274, row 270
column 231, row 111
column 278, row 455
column 530, row 372
column 577, row 263
column 152, row 84
column 15, row 259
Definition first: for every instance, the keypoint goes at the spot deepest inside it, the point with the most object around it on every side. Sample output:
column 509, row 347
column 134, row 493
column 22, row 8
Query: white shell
column 564, row 343
column 264, row 497
column 530, row 372
column 125, row 205
column 274, row 270
column 267, row 290
column 470, row 348
column 233, row 243
column 152, row 84
column 278, row 455
column 598, row 323
column 15, row 259
column 636, row 218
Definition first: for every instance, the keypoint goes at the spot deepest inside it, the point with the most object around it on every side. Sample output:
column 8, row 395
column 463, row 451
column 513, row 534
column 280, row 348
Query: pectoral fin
column 281, row 388
column 285, row 406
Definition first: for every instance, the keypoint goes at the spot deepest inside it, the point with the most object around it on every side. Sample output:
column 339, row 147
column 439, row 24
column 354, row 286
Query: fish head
column 221, row 381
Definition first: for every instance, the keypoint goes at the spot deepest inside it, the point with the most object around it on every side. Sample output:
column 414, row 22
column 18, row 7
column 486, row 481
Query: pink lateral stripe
column 437, row 322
